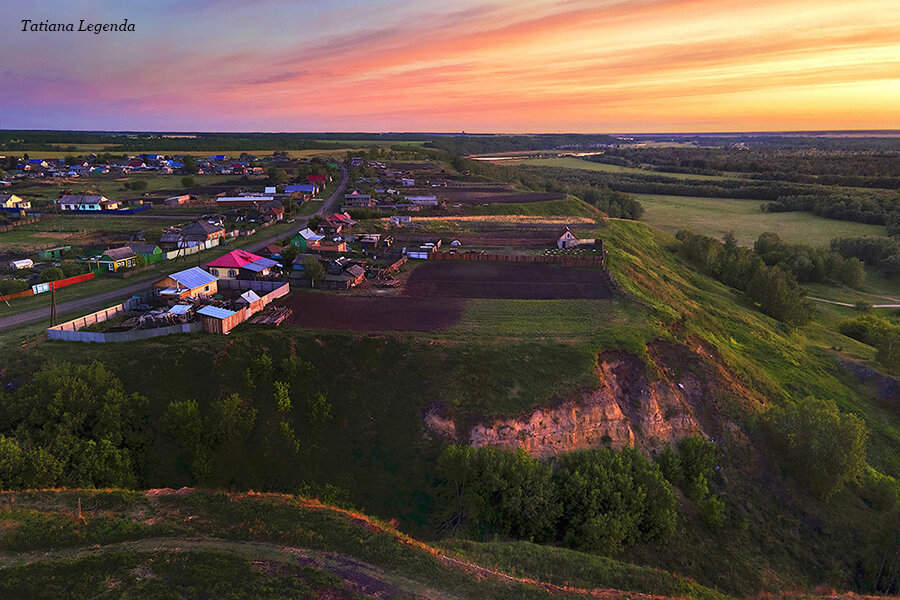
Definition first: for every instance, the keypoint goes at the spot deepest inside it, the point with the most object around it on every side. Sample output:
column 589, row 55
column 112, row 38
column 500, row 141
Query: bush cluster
column 597, row 500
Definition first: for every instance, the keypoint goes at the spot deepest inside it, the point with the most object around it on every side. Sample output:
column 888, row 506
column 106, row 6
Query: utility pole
column 52, row 305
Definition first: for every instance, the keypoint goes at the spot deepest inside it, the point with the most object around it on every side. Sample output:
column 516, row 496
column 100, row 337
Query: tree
column 612, row 499
column 77, row 421
column 889, row 349
column 496, row 491
column 312, row 270
column 187, row 182
column 190, row 165
column 820, row 446
column 288, row 254
column 140, row 261
column 51, row 274
column 319, row 409
column 277, row 175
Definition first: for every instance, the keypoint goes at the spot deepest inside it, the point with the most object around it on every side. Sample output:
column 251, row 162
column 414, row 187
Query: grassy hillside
column 505, row 358
column 189, row 543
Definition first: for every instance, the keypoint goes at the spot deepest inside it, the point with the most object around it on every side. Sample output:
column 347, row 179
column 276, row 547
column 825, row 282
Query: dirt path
column 852, row 305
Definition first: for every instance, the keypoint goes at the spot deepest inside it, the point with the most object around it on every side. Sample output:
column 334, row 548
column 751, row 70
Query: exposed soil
column 372, row 313
column 506, row 280
column 628, row 408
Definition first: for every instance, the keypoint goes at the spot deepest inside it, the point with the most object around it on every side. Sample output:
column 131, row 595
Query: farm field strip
column 507, row 281
column 586, row 165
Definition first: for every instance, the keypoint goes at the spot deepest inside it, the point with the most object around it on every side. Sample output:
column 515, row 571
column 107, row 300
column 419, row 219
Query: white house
column 79, row 202
column 566, row 240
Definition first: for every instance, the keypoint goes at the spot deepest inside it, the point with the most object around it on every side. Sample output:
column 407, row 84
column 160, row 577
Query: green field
column 570, row 162
column 717, row 216
column 67, row 229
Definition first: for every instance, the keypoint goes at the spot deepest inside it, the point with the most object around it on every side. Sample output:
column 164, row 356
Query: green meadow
column 570, row 162
column 717, row 216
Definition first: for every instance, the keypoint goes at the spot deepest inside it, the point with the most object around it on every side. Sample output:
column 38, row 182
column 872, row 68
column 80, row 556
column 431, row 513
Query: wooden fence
column 52, row 285
column 563, row 260
column 19, row 222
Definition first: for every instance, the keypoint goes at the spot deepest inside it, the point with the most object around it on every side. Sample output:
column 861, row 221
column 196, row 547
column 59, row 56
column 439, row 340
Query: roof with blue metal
column 265, row 262
column 193, row 278
column 215, row 312
column 179, row 309
column 255, row 267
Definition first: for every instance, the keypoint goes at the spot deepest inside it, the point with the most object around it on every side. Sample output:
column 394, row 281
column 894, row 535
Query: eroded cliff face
column 629, row 407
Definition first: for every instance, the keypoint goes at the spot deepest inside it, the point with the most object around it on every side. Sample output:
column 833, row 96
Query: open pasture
column 570, row 162
column 717, row 216
column 506, row 280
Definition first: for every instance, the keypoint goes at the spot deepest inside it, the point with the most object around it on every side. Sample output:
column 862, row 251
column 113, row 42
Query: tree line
column 809, row 264
column 773, row 288
column 882, row 253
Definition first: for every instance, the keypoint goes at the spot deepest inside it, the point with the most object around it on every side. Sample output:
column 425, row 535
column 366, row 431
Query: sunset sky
column 472, row 65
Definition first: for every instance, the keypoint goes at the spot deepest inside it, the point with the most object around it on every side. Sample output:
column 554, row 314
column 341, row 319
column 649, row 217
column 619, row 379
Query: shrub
column 72, row 269
column 11, row 286
column 187, row 182
column 821, row 447
column 51, row 274
column 879, row 491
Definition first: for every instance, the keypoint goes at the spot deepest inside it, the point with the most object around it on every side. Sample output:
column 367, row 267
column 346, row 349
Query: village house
column 330, row 227
column 76, row 202
column 566, row 240
column 116, row 258
column 189, row 283
column 240, row 264
column 321, row 180
column 339, row 278
column 176, row 200
column 271, row 210
column 357, row 199
column 301, row 188
column 332, row 244
column 13, row 202
column 150, row 252
column 241, row 201
column 306, row 239
column 422, row 200
column 399, row 220
column 55, row 252
column 194, row 234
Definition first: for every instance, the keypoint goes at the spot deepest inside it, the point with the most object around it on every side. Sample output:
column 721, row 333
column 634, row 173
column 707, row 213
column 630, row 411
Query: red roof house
column 231, row 265
column 318, row 178
column 234, row 259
